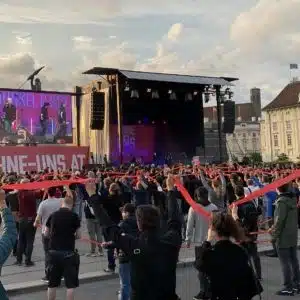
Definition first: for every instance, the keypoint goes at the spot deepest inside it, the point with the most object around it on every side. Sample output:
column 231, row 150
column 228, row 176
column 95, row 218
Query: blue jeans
column 124, row 274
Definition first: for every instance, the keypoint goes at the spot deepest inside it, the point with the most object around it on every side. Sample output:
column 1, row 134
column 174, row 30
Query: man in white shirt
column 45, row 210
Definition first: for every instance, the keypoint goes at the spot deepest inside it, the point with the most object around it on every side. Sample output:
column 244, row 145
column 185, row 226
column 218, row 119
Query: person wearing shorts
column 62, row 228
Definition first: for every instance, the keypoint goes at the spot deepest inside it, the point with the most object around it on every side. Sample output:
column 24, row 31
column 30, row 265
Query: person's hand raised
column 170, row 182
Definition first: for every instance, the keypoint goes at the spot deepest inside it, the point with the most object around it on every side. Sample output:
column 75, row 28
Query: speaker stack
column 229, row 117
column 97, row 111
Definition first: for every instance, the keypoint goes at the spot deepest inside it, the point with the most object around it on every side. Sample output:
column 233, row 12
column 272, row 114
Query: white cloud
column 83, row 43
column 89, row 11
column 175, row 32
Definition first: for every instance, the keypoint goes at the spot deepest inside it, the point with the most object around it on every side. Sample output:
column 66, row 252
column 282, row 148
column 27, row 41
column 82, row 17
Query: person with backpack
column 248, row 214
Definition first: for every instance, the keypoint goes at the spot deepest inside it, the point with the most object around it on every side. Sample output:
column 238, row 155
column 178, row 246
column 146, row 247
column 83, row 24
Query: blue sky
column 254, row 40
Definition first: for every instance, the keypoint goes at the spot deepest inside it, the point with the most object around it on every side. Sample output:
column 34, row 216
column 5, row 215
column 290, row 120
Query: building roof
column 162, row 77
column 288, row 97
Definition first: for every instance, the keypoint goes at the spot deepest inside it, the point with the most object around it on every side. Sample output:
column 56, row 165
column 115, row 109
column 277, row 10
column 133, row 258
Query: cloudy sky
column 254, row 40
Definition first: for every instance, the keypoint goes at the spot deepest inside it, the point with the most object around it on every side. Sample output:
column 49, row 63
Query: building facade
column 245, row 140
column 246, row 137
column 280, row 125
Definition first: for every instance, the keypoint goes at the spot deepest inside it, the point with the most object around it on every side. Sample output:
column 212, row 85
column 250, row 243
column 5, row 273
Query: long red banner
column 37, row 158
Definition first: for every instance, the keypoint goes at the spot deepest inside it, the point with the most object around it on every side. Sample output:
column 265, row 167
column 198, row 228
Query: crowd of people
column 137, row 215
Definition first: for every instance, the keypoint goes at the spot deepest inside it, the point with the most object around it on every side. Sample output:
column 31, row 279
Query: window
column 288, row 125
column 254, row 144
column 245, row 144
column 244, row 135
column 274, row 125
column 254, row 134
column 290, row 152
column 289, row 139
column 276, row 152
column 276, row 143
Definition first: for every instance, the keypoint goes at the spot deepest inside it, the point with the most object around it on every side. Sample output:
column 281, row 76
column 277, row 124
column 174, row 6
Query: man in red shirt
column 27, row 214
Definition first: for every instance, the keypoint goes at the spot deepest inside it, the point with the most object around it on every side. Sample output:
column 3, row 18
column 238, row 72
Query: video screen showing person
column 35, row 117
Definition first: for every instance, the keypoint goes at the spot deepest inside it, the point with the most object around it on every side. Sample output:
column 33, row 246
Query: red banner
column 26, row 159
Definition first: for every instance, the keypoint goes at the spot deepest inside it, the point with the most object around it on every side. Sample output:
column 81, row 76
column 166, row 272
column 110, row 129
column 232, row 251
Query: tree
column 256, row 158
column 246, row 160
column 283, row 158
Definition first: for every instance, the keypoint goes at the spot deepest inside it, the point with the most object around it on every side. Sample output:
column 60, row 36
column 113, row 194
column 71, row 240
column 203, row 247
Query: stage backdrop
column 25, row 159
column 138, row 142
column 28, row 109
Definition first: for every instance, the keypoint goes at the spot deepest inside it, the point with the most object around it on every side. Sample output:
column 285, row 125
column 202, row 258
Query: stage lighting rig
column 209, row 90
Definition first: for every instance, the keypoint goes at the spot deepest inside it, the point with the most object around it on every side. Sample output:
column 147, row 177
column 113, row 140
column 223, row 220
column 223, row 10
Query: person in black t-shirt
column 62, row 228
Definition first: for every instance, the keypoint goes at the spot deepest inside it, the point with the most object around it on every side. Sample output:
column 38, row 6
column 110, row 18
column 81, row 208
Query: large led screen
column 35, row 117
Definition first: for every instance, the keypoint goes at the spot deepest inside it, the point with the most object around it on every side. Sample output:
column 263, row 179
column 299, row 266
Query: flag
column 293, row 66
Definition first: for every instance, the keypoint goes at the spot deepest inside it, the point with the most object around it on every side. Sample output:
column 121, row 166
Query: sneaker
column 45, row 279
column 108, row 270
column 17, row 263
column 201, row 296
column 285, row 292
column 91, row 254
column 29, row 264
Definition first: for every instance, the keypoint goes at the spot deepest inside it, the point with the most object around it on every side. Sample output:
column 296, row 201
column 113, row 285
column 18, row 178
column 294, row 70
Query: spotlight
column 148, row 90
column 134, row 94
column 155, row 95
column 173, row 96
column 206, row 97
column 126, row 88
column 188, row 97
column 195, row 93
column 153, row 122
column 139, row 122
column 164, row 122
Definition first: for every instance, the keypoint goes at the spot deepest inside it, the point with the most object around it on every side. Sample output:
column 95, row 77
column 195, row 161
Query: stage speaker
column 229, row 117
column 97, row 111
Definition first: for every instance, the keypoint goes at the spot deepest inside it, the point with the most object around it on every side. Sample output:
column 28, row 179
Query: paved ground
column 14, row 274
column 187, row 284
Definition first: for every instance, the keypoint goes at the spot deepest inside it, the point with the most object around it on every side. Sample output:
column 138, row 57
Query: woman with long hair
column 226, row 264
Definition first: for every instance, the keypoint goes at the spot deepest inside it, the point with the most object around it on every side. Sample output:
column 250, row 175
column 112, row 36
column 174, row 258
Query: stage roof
column 162, row 77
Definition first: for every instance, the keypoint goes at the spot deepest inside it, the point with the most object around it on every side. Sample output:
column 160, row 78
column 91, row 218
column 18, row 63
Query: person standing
column 154, row 253
column 46, row 208
column 10, row 114
column 8, row 238
column 196, row 231
column 62, row 228
column 44, row 117
column 27, row 230
column 285, row 236
column 129, row 226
